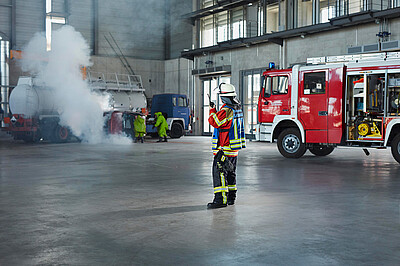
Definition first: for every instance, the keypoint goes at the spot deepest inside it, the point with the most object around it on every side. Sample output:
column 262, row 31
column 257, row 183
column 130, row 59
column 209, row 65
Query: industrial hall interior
column 200, row 132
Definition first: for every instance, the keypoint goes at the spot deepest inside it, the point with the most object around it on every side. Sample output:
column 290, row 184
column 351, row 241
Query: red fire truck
column 351, row 100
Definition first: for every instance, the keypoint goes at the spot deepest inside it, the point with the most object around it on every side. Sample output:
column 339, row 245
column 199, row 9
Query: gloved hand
column 212, row 104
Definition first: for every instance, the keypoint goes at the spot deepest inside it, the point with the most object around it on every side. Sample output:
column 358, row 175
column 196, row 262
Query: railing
column 328, row 9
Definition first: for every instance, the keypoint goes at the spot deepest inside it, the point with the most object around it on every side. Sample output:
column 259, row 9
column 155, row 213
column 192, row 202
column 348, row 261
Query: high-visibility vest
column 237, row 139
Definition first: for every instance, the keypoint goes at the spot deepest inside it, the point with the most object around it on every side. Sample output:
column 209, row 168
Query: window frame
column 269, row 88
column 184, row 101
column 304, row 83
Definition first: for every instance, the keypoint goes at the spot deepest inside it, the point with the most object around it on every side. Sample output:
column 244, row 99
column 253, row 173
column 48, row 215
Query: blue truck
column 175, row 108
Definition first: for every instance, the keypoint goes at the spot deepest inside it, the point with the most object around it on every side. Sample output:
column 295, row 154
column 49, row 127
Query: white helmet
column 227, row 90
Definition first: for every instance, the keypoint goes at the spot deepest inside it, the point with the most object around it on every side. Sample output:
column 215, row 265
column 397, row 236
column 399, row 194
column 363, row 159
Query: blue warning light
column 271, row 65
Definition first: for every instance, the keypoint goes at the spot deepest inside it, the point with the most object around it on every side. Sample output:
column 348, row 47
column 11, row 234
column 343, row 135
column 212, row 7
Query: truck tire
column 321, row 150
column 176, row 131
column 290, row 145
column 61, row 134
column 396, row 148
column 33, row 138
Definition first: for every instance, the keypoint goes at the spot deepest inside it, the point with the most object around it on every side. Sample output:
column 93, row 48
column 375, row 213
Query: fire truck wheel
column 290, row 145
column 321, row 150
column 396, row 148
column 176, row 131
column 61, row 134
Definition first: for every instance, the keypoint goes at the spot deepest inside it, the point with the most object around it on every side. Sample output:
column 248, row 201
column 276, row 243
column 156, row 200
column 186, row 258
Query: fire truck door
column 274, row 98
column 313, row 105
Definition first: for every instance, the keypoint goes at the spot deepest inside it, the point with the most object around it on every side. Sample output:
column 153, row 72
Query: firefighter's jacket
column 139, row 125
column 228, row 130
column 161, row 125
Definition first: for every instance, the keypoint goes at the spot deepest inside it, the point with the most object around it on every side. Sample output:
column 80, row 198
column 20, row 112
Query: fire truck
column 351, row 100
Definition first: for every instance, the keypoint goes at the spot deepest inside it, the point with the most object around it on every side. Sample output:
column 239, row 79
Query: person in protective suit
column 162, row 126
column 228, row 139
column 140, row 128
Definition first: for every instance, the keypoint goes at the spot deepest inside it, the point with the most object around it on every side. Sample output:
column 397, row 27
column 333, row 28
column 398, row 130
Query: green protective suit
column 140, row 126
column 161, row 125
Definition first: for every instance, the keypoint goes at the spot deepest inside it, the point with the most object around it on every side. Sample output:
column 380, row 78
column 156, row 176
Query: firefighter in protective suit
column 228, row 139
column 162, row 126
column 140, row 128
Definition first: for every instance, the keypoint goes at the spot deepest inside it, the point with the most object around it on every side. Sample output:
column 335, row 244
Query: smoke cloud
column 80, row 109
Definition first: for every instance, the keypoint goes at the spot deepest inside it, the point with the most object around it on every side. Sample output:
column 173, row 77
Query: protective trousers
column 224, row 182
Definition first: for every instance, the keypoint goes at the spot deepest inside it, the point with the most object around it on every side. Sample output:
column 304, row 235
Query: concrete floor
column 146, row 204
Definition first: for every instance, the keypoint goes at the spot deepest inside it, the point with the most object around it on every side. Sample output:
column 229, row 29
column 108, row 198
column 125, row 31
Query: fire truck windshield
column 267, row 86
column 275, row 85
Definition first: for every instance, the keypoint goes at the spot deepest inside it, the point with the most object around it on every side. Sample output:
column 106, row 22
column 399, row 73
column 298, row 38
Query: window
column 182, row 102
column 222, row 26
column 272, row 18
column 209, row 86
column 252, row 21
column 327, row 10
column 207, row 31
column 263, row 17
column 276, row 85
column 249, row 92
column 206, row 3
column 237, row 23
column 314, row 83
column 260, row 19
column 305, row 13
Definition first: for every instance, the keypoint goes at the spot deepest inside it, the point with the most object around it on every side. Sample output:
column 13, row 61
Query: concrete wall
column 81, row 18
column 138, row 26
column 180, row 31
column 151, row 71
column 178, row 76
column 5, row 18
column 252, row 57
column 30, row 19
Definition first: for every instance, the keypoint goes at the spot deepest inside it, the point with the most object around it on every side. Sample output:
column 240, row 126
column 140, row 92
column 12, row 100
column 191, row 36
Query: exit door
column 209, row 90
column 313, row 105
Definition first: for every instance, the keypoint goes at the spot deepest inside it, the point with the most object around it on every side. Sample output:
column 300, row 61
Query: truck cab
column 175, row 108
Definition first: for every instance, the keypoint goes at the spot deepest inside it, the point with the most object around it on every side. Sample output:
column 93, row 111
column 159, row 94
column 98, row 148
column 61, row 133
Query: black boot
column 165, row 139
column 231, row 197
column 159, row 140
column 142, row 139
column 217, row 202
column 215, row 205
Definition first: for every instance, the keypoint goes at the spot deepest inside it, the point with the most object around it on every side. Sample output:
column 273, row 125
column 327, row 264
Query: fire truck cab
column 351, row 100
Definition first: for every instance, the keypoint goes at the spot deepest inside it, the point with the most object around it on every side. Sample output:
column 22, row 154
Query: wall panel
column 30, row 19
column 81, row 18
column 180, row 30
column 137, row 26
column 58, row 6
column 5, row 18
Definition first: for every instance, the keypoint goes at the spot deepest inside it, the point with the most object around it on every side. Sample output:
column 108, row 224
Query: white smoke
column 80, row 109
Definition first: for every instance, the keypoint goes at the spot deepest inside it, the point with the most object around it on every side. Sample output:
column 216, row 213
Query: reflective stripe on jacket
column 229, row 130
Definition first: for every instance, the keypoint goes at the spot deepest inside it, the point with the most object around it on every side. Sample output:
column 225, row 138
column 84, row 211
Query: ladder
column 355, row 58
